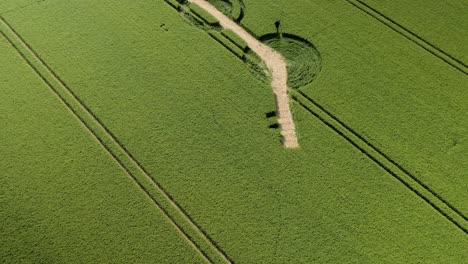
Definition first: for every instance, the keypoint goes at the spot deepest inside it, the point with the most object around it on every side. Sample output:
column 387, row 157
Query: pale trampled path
column 276, row 66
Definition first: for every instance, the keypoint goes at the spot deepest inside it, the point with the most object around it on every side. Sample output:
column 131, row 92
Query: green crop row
column 204, row 15
column 227, row 43
column 234, row 38
column 174, row 3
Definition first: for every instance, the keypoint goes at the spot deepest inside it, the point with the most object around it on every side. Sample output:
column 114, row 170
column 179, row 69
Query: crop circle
column 303, row 59
column 231, row 8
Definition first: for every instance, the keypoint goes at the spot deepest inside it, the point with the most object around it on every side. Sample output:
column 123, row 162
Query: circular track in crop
column 303, row 59
column 231, row 8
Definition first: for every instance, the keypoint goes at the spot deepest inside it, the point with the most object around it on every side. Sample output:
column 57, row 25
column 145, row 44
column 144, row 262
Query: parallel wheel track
column 184, row 224
column 408, row 34
column 436, row 201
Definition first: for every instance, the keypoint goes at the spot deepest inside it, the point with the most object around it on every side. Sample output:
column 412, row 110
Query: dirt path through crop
column 276, row 65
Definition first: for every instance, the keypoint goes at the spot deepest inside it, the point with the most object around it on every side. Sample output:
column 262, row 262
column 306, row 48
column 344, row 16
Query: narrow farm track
column 182, row 222
column 436, row 201
column 275, row 64
column 408, row 34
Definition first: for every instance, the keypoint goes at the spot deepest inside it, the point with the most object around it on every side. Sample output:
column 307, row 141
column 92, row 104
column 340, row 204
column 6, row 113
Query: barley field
column 155, row 131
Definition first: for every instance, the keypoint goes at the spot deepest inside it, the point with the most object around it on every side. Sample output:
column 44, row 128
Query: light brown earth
column 277, row 69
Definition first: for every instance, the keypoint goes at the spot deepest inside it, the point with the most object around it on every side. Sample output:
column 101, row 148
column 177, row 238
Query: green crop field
column 143, row 132
column 442, row 24
column 63, row 197
column 416, row 114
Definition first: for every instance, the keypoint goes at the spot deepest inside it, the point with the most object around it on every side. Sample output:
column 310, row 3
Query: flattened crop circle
column 232, row 8
column 303, row 59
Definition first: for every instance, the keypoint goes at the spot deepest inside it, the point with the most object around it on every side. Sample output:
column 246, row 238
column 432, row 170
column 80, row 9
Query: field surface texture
column 62, row 197
column 397, row 95
column 188, row 120
column 443, row 24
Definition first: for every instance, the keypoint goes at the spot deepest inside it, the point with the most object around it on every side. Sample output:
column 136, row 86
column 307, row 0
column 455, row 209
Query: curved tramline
column 277, row 69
